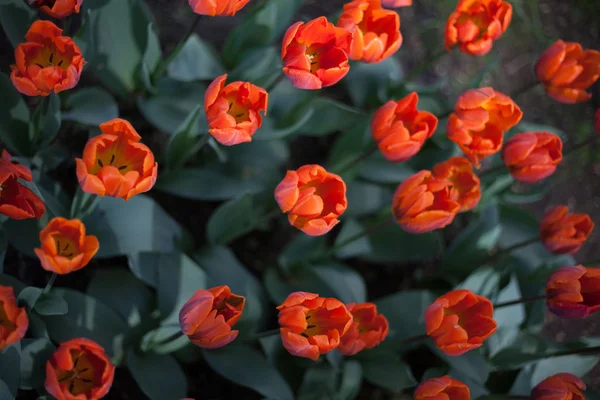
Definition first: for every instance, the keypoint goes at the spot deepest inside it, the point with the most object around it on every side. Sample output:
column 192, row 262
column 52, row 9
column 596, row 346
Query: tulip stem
column 50, row 283
column 507, row 250
column 261, row 335
column 274, row 84
column 578, row 146
column 365, row 154
column 585, row 350
column 519, row 301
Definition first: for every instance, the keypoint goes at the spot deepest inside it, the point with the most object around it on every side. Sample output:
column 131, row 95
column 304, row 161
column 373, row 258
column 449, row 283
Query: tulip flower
column 65, row 247
column 208, row 316
column 532, row 156
column 368, row 329
column 443, row 387
column 466, row 186
column 459, row 321
column 115, row 163
column 217, row 7
column 47, row 62
column 566, row 71
column 314, row 54
column 561, row 386
column 375, row 30
column 481, row 116
column 400, row 130
column 16, row 200
column 79, row 369
column 563, row 233
column 311, row 325
column 396, row 3
column 312, row 198
column 233, row 111
column 573, row 292
column 58, row 8
column 13, row 320
column 423, row 203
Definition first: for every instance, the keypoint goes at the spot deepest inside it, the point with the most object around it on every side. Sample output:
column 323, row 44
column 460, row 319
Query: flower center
column 50, row 57
column 227, row 307
column 237, row 110
column 66, row 247
column 313, row 57
column 110, row 158
column 82, row 378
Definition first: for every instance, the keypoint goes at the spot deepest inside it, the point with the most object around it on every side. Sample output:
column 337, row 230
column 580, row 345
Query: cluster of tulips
column 316, row 54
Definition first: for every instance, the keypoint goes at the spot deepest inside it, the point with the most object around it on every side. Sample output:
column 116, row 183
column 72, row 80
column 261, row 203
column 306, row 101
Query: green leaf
column 184, row 143
column 300, row 247
column 377, row 169
column 25, row 235
column 255, row 372
column 159, row 376
column 34, row 355
column 346, row 284
column 329, row 116
column 5, row 392
column 197, row 60
column 574, row 364
column 405, row 312
column 8, row 280
column 368, row 83
column 51, row 121
column 233, row 219
column 509, row 319
column 356, row 247
column 367, row 198
column 29, row 296
column 318, row 382
column 16, row 18
column 152, row 53
column 260, row 63
column 91, row 106
column 51, row 303
column 389, row 372
column 268, row 130
column 470, row 368
column 9, row 371
column 351, row 144
column 14, row 114
column 483, row 281
column 351, row 380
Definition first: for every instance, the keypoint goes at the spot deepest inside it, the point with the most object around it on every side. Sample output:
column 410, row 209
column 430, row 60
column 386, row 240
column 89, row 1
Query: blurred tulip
column 460, row 321
column 13, row 320
column 311, row 325
column 400, row 130
column 561, row 386
column 566, row 71
column 368, row 329
column 573, row 292
column 313, row 199
column 79, row 370
column 208, row 316
column 65, row 247
column 233, row 111
column 396, row 3
column 47, row 62
column 58, row 8
column 115, row 163
column 16, row 200
column 563, row 233
column 314, row 54
column 532, row 156
column 444, row 387
column 217, row 7
column 476, row 24
column 481, row 116
column 466, row 186
column 423, row 203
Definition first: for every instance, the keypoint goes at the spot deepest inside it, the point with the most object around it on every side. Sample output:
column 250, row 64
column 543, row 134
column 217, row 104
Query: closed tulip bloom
column 233, row 111
column 573, row 292
column 396, row 3
column 567, row 71
column 13, row 320
column 16, row 200
column 79, row 370
column 65, row 247
column 466, row 186
column 312, row 198
column 478, row 123
column 423, row 203
column 217, row 7
column 311, row 325
column 400, row 130
column 459, row 321
column 368, row 329
column 375, row 30
column 47, row 62
column 314, row 54
column 476, row 24
column 561, row 386
column 58, row 8
column 443, row 387
column 115, row 163
column 208, row 316
column 564, row 233
column 532, row 156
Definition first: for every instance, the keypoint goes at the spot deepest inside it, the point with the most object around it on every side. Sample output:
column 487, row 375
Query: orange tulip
column 459, row 321
column 466, row 186
column 115, row 163
column 443, row 387
column 368, row 329
column 400, row 130
column 65, row 247
column 375, row 30
column 208, row 316
column 313, row 199
column 47, row 62
column 16, row 200
column 423, row 203
column 573, row 292
column 217, row 7
column 314, row 54
column 475, row 24
column 59, row 8
column 561, row 386
column 311, row 325
column 563, row 233
column 481, row 116
column 566, row 71
column 396, row 3
column 79, row 370
column 532, row 156
column 13, row 320
column 233, row 111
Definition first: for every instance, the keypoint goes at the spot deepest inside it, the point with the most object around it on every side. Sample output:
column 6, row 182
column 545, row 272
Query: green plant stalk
column 365, row 154
column 276, row 82
column 519, row 301
column 50, row 283
column 39, row 115
column 507, row 250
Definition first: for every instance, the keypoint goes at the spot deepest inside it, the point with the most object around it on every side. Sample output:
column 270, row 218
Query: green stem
column 585, row 350
column 40, row 115
column 50, row 283
column 260, row 335
column 276, row 82
column 507, row 250
column 519, row 301
column 421, row 68
column 344, row 167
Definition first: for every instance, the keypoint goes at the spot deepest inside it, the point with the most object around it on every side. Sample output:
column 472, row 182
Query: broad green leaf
column 329, row 116
column 300, row 248
column 269, row 130
column 29, row 296
column 509, row 319
column 14, row 114
column 351, row 380
column 16, row 18
column 90, row 106
column 367, row 198
column 367, row 84
column 10, row 373
column 350, row 145
column 197, row 60
column 377, row 169
column 405, row 312
column 389, row 372
column 233, row 219
column 34, row 355
column 318, row 382
column 470, row 367
column 159, row 376
column 50, row 121
column 258, row 64
column 150, row 44
column 574, row 364
column 184, row 143
column 51, row 303
column 357, row 247
column 483, row 281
